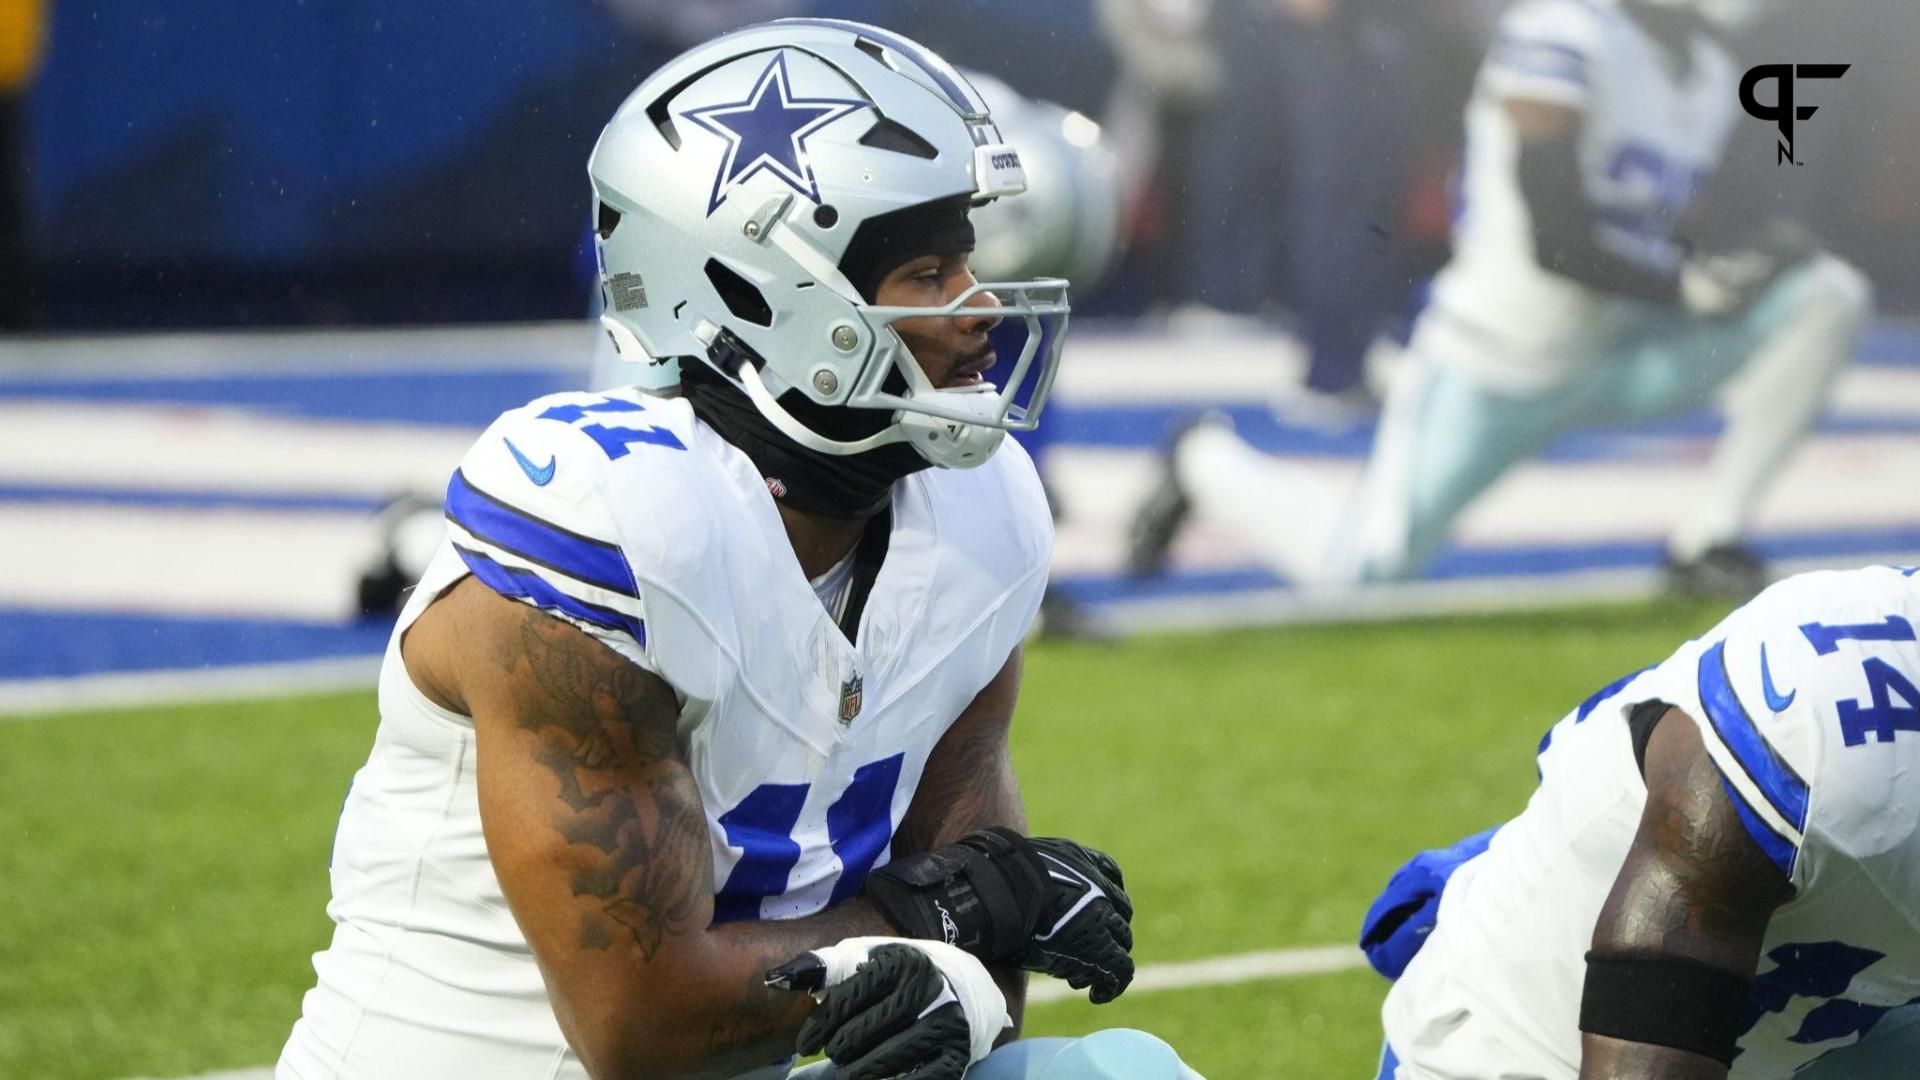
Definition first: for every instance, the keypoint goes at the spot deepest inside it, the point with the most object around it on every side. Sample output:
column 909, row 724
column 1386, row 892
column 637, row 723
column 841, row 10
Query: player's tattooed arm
column 969, row 784
column 1694, row 886
column 594, row 825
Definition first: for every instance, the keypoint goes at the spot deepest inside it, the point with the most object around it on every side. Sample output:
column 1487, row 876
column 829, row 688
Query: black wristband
column 981, row 893
column 1664, row 1000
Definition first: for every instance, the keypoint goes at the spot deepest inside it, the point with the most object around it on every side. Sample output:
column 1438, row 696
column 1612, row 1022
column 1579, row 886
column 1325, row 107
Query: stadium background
column 271, row 264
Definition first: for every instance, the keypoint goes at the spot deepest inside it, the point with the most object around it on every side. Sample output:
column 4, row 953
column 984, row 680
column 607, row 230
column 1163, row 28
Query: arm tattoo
column 968, row 784
column 626, row 800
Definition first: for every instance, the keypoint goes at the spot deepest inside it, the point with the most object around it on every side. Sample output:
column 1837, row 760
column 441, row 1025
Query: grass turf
column 163, row 871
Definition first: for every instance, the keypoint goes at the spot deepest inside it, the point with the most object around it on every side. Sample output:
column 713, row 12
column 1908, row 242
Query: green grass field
column 163, row 871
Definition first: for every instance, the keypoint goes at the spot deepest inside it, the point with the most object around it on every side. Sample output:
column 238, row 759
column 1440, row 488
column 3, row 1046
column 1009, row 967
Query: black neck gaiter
column 851, row 487
column 856, row 486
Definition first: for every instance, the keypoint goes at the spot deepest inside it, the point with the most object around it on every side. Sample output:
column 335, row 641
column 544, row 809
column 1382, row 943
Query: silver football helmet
column 730, row 185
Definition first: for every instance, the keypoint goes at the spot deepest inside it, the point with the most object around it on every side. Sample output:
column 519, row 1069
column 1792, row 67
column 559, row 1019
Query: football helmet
column 729, row 187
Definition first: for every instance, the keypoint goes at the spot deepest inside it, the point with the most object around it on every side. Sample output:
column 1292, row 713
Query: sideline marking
column 1216, row 971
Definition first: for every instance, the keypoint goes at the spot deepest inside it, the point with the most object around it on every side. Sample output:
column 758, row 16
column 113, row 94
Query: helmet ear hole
column 608, row 219
column 740, row 295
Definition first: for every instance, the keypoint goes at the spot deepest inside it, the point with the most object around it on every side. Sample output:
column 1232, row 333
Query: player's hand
column 1724, row 285
column 1046, row 904
column 1085, row 934
column 984, row 893
column 888, row 1007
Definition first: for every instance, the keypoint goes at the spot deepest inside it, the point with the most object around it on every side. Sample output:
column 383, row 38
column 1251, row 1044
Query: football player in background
column 1590, row 283
column 704, row 701
column 1718, row 876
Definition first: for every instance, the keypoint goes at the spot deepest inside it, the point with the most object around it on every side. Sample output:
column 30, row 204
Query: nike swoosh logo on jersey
column 539, row 474
column 1775, row 700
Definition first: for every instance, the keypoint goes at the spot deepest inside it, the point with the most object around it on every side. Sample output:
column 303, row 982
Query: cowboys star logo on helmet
column 738, row 181
column 769, row 131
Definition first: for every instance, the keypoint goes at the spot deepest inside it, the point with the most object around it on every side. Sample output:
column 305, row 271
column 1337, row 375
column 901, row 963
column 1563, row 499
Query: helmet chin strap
column 793, row 429
column 949, row 443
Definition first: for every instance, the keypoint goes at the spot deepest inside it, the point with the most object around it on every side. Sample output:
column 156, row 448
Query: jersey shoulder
column 1807, row 702
column 541, row 510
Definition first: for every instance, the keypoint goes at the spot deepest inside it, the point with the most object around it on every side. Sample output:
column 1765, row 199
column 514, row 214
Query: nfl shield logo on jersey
column 850, row 693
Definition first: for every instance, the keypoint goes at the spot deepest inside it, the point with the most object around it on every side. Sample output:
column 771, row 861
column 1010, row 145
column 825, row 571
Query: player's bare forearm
column 1694, row 887
column 1611, row 1059
column 596, row 831
column 969, row 784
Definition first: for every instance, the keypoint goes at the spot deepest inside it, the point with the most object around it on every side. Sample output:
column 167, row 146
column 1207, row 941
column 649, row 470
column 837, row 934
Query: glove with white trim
column 1044, row 903
column 893, row 1007
column 1085, row 934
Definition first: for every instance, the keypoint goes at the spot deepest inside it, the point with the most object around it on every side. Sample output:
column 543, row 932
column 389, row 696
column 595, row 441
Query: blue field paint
column 1147, row 427
column 38, row 644
column 54, row 644
column 1494, row 563
column 467, row 399
column 187, row 500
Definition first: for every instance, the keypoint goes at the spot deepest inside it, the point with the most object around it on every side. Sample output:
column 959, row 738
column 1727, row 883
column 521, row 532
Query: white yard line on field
column 1221, row 971
column 1216, row 971
column 124, row 690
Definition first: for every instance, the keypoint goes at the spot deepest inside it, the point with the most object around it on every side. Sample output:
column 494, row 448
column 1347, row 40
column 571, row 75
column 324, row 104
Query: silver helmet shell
column 729, row 187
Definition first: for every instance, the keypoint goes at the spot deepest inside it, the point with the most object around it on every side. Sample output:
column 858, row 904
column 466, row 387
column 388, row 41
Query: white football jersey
column 1650, row 138
column 1806, row 701
column 627, row 517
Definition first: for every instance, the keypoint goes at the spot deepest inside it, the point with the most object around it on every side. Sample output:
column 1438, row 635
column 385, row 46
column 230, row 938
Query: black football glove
column 1085, row 934
column 886, row 1007
column 984, row 893
column 1046, row 904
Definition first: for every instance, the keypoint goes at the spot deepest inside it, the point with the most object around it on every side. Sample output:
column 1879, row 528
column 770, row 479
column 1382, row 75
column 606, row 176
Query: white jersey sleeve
column 528, row 514
column 1808, row 707
column 1546, row 50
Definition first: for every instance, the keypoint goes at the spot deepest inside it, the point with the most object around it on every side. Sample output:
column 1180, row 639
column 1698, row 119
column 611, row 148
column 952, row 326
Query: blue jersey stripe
column 1778, row 848
column 1769, row 771
column 512, row 529
column 1389, row 1062
column 525, row 584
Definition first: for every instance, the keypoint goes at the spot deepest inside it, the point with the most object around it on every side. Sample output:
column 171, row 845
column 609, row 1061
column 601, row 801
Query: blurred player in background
column 1590, row 284
column 1719, row 875
column 705, row 699
column 1302, row 159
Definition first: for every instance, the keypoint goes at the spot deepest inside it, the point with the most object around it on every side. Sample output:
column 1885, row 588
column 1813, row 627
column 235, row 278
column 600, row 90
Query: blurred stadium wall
column 362, row 161
column 204, row 163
